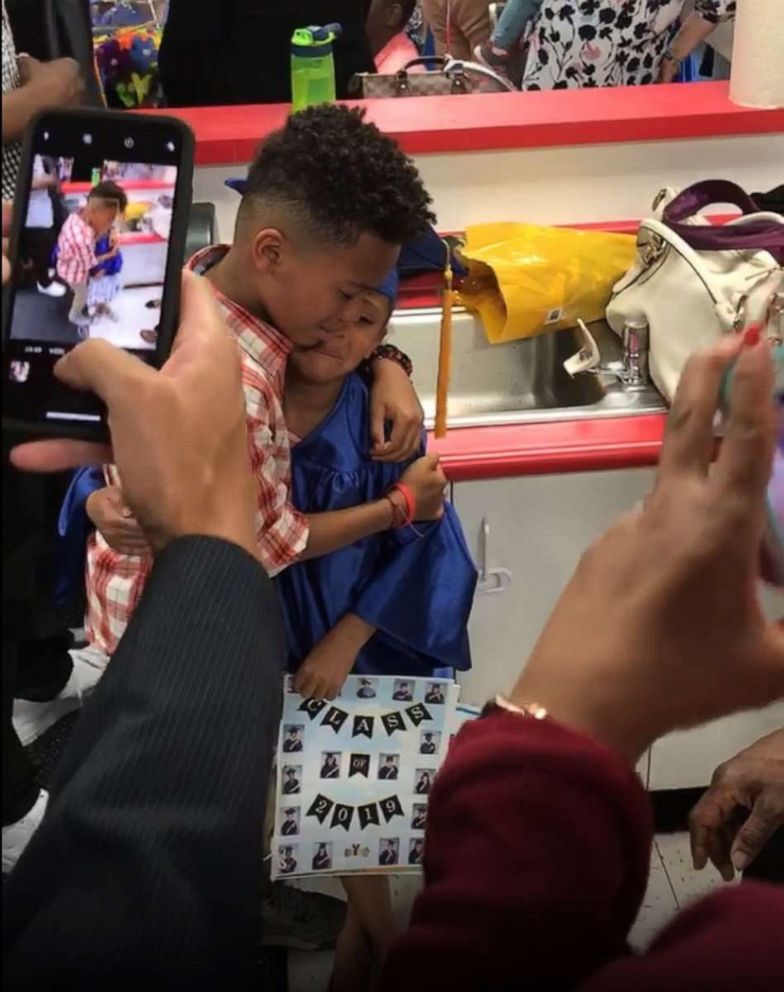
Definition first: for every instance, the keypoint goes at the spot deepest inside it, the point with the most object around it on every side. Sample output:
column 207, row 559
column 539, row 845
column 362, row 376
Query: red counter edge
column 552, row 448
column 438, row 125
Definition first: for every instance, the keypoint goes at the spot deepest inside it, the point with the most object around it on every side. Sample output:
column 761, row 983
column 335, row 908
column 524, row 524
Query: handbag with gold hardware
column 453, row 76
column 694, row 281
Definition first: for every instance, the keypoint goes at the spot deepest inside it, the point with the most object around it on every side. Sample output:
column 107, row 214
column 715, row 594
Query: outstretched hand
column 661, row 626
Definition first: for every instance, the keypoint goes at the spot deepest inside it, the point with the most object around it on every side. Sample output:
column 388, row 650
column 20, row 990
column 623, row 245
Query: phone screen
column 92, row 253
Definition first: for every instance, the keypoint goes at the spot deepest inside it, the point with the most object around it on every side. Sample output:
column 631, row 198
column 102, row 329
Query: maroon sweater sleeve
column 728, row 942
column 538, row 849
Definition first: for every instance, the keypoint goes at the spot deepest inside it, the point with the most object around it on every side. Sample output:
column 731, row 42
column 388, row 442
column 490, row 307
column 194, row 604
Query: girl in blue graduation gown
column 394, row 604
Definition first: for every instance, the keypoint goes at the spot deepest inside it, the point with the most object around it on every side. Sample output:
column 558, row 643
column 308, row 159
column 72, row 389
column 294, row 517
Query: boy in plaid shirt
column 76, row 245
column 329, row 201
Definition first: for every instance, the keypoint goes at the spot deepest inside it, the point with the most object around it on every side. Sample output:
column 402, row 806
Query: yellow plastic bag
column 525, row 280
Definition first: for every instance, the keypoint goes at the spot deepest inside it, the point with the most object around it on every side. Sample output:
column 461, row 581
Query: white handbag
column 694, row 281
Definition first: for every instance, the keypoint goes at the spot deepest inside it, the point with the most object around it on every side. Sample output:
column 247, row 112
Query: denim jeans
column 511, row 24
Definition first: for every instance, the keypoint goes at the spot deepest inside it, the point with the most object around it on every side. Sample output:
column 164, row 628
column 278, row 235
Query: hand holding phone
column 85, row 265
column 59, row 81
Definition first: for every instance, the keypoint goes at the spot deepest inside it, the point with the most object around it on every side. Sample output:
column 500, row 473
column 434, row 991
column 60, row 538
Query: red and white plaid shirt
column 114, row 581
column 75, row 250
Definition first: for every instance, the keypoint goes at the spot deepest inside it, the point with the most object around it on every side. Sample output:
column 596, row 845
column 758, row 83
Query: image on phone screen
column 92, row 255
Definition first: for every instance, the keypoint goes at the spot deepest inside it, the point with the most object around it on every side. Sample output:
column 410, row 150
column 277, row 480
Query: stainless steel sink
column 520, row 382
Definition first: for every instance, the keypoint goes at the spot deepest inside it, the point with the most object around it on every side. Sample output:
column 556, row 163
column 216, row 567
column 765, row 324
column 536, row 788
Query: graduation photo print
column 354, row 775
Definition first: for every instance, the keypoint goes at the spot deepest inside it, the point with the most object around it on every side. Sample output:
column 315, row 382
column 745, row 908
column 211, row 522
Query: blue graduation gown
column 417, row 590
column 73, row 529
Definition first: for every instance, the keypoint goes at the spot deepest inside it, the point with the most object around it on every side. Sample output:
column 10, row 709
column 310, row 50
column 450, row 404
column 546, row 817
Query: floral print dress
column 574, row 44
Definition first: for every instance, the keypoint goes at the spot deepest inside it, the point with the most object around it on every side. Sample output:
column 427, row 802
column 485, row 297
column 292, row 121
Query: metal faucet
column 634, row 371
column 631, row 370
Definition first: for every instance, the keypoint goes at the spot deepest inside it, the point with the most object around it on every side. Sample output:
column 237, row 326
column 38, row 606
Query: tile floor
column 672, row 884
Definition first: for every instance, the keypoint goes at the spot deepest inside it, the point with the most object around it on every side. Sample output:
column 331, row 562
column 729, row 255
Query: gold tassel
column 444, row 349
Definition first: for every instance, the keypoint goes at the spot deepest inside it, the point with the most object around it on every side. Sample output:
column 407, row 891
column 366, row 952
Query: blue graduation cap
column 426, row 254
column 389, row 287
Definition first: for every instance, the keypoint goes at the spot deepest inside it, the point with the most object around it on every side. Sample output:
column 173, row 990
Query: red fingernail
column 751, row 336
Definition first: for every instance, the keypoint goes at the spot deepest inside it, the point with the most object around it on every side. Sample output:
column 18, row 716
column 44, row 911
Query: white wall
column 577, row 184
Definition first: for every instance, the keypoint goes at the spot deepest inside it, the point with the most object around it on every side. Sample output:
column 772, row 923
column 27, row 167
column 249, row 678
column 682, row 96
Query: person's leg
column 45, row 666
column 511, row 24
column 20, row 790
column 24, row 802
column 41, row 241
column 291, row 917
column 53, row 681
column 471, row 18
column 352, row 969
column 371, row 899
column 77, row 314
column 37, row 242
column 434, row 12
column 113, row 289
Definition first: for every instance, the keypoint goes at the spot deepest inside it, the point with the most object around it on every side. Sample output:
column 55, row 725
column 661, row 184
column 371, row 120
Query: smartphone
column 97, row 247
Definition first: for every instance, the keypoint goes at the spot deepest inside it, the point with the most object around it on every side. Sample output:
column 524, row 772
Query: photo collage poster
column 354, row 775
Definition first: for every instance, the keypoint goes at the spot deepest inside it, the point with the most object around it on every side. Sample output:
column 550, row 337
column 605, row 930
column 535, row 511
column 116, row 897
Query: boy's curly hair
column 340, row 176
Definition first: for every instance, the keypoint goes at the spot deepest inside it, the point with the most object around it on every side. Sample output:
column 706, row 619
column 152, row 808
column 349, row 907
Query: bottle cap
column 313, row 41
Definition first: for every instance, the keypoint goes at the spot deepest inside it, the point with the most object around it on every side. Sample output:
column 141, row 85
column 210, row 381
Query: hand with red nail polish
column 751, row 336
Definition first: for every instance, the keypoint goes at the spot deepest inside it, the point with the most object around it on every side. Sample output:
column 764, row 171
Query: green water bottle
column 312, row 66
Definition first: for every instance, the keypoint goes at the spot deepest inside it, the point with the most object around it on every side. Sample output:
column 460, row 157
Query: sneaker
column 302, row 921
column 16, row 836
column 33, row 719
column 55, row 289
column 493, row 58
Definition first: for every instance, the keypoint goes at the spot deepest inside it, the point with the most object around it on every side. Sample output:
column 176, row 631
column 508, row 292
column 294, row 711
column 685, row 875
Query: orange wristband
column 407, row 493
column 398, row 513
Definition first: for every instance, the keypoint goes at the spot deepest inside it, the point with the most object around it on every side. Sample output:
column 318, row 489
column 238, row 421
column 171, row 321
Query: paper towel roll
column 757, row 78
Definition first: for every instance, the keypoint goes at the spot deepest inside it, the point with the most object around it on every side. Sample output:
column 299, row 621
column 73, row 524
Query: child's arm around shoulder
column 393, row 399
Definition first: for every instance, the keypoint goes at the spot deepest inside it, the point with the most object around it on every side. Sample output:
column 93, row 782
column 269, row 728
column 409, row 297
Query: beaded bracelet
column 393, row 354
